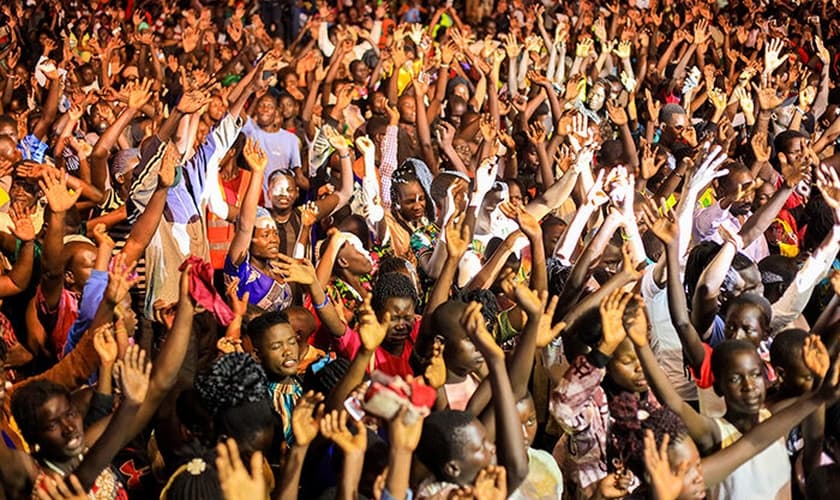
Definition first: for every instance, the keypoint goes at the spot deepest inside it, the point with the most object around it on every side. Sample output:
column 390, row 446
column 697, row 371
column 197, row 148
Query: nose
column 748, row 384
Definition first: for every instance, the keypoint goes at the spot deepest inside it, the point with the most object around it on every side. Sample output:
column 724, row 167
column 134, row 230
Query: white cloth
column 706, row 223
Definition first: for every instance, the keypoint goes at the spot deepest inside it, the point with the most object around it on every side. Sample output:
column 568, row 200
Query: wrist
column 607, row 348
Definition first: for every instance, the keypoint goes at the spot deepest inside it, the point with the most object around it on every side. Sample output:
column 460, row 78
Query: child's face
column 742, row 384
column 528, row 418
column 478, row 453
column 796, row 378
column 745, row 322
column 625, row 370
column 461, row 356
column 685, row 450
column 278, row 350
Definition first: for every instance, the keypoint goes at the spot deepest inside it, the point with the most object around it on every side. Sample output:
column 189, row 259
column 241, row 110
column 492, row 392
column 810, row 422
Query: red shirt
column 349, row 344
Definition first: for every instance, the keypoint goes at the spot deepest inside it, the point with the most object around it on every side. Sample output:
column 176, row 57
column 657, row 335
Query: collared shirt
column 707, row 221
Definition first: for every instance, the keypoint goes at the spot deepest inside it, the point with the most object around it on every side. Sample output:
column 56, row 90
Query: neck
column 354, row 281
column 742, row 421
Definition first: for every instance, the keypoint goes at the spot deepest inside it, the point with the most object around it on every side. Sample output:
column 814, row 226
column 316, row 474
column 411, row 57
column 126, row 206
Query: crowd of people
column 517, row 249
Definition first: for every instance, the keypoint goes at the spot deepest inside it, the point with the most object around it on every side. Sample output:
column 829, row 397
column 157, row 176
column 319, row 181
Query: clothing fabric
column 265, row 292
column 281, row 147
column 284, row 397
column 204, row 292
column 707, row 221
column 349, row 344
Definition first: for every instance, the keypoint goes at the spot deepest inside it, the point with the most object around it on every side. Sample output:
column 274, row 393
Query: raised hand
column 295, row 270
column 648, row 166
column 364, row 144
column 335, row 139
column 527, row 223
column 105, row 344
column 623, row 49
column 22, row 227
column 485, row 176
column 760, row 147
column 708, row 169
column 306, row 418
column 612, row 313
column 458, row 238
column 773, row 55
column 239, row 306
column 660, row 220
column 653, row 106
column 828, row 182
column 133, row 373
column 255, row 156
column 617, row 114
column 815, row 355
column 334, row 428
column 473, row 323
column 548, row 331
column 637, row 328
column 794, row 173
column 54, row 186
column 435, row 372
column 170, row 160
column 237, row 482
column 717, row 97
column 667, row 483
column 121, row 277
column 192, row 101
column 768, row 99
column 308, row 214
column 372, row 331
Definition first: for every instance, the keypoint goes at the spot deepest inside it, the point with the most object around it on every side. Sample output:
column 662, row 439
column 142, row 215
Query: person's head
column 266, row 112
column 394, row 264
column 516, row 192
column 794, row 377
column 528, row 418
column 739, row 377
column 275, row 343
column 79, row 259
column 235, row 391
column 681, row 449
column 738, row 178
column 216, row 107
column 394, row 293
column 283, row 191
column 302, row 322
column 674, row 121
column 408, row 109
column 8, row 149
column 748, row 318
column 598, row 95
column 777, row 273
column 409, row 196
column 763, row 193
column 86, row 73
column 454, row 446
column 360, row 72
column 352, row 257
column 289, row 107
column 265, row 243
column 122, row 166
column 48, row 420
column 101, row 116
column 625, row 370
column 553, row 228
column 9, row 128
column 792, row 144
column 459, row 354
column 456, row 106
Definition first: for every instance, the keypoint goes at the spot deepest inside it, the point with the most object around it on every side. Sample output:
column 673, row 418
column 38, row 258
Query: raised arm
column 257, row 160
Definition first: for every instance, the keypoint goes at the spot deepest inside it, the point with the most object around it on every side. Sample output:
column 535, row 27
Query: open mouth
column 74, row 443
column 290, row 363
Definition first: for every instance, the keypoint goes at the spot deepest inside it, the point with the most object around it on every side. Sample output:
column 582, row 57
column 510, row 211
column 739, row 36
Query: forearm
column 705, row 295
column 566, row 245
column 510, row 446
column 146, row 226
column 21, row 271
column 104, row 382
column 399, row 472
column 350, row 475
column 327, row 313
column 755, row 226
column 108, row 445
column 678, row 308
column 292, row 468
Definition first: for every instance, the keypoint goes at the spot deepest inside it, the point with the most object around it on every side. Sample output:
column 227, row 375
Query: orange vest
column 219, row 231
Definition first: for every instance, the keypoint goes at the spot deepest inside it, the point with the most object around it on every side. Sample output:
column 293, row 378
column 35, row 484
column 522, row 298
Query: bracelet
column 343, row 156
column 323, row 304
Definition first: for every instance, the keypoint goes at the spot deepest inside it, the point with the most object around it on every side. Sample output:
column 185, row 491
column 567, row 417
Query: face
column 278, row 350
column 461, row 356
column 744, row 322
column 685, row 451
column 361, row 73
column 796, row 150
column 60, row 431
column 611, row 259
column 283, row 191
column 625, row 370
column 81, row 265
column 354, row 260
column 742, row 384
column 745, row 180
column 288, row 107
column 462, row 91
column 478, row 453
column 266, row 243
column 10, row 131
column 797, row 378
column 763, row 195
column 408, row 109
column 551, row 235
column 87, row 76
column 216, row 109
column 102, row 117
column 597, row 98
column 455, row 112
column 402, row 319
column 412, row 201
column 266, row 111
column 528, row 419
column 677, row 125
column 515, row 195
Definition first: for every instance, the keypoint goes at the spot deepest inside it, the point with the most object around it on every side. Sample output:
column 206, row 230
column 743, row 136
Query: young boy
column 276, row 346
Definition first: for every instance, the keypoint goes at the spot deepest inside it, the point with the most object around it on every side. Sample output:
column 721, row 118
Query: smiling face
column 266, row 242
column 278, row 350
column 60, row 434
column 283, row 191
column 266, row 111
column 742, row 383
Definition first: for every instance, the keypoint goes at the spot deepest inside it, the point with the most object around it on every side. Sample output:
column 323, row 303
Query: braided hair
column 391, row 285
column 27, row 400
column 411, row 171
column 197, row 479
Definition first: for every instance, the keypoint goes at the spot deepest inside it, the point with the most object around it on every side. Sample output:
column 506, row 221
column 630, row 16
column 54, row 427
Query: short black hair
column 787, row 346
column 258, row 326
column 724, row 351
column 391, row 285
column 27, row 400
column 443, row 440
column 757, row 301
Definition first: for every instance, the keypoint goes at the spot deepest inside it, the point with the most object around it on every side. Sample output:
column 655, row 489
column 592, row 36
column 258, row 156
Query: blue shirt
column 91, row 298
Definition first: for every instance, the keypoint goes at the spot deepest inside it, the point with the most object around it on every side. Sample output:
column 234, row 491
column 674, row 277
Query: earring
column 36, row 448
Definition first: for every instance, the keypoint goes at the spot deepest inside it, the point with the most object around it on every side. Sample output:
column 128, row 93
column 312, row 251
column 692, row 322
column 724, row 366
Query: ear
column 69, row 278
column 342, row 262
column 452, row 469
column 780, row 373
